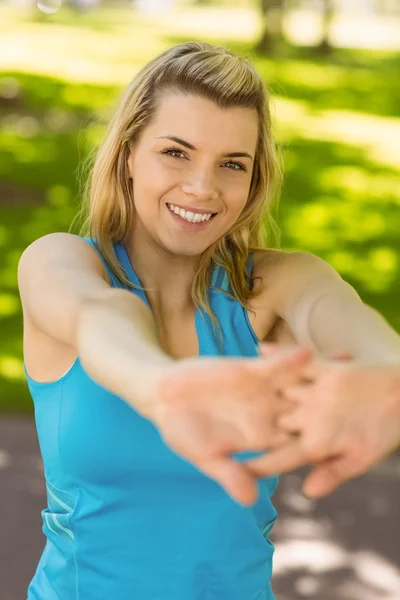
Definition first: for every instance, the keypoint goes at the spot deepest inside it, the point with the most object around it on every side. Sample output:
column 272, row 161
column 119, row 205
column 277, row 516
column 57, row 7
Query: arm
column 326, row 314
column 66, row 293
column 347, row 417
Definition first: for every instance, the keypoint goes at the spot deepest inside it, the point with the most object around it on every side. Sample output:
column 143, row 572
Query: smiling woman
column 139, row 404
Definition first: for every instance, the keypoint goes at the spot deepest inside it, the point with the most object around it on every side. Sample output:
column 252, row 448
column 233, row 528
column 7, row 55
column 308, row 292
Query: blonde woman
column 141, row 345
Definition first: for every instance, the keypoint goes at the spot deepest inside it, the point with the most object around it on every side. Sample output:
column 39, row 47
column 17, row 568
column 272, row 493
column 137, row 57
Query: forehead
column 197, row 119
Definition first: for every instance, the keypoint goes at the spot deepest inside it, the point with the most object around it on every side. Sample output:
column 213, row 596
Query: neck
column 167, row 277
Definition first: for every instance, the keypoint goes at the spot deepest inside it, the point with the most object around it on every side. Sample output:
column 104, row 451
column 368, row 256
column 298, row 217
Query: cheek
column 150, row 185
column 237, row 200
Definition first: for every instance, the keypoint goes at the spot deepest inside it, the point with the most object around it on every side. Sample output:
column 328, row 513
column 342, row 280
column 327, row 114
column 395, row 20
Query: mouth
column 205, row 216
column 191, row 225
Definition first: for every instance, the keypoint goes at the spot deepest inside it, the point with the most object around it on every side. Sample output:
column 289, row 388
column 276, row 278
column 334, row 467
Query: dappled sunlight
column 4, row 236
column 375, row 270
column 360, row 184
column 9, row 305
column 59, row 196
column 329, row 548
column 11, row 367
column 77, row 54
column 315, row 555
column 311, row 76
column 360, row 574
column 350, row 28
column 344, row 83
column 376, row 135
column 213, row 23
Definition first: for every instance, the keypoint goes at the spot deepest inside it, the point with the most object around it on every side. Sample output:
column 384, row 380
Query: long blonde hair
column 107, row 210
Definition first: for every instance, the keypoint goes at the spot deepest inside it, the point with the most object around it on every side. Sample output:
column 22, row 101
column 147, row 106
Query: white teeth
column 189, row 216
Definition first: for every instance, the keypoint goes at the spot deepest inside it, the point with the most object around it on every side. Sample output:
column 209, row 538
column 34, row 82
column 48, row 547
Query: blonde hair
column 107, row 210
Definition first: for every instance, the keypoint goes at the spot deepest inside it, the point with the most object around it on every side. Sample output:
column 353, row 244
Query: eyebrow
column 191, row 147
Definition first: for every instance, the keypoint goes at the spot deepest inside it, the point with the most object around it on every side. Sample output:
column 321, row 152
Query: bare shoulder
column 281, row 271
column 263, row 316
column 267, row 264
column 279, row 276
column 55, row 275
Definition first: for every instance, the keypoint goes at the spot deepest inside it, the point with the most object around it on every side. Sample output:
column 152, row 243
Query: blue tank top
column 126, row 517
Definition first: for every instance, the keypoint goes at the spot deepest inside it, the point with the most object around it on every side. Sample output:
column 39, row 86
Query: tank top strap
column 114, row 281
column 220, row 279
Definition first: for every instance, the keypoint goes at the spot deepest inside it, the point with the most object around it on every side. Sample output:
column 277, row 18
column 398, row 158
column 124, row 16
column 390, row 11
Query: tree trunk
column 272, row 13
column 328, row 12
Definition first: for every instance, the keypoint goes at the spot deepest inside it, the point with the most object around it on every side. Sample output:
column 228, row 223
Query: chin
column 185, row 250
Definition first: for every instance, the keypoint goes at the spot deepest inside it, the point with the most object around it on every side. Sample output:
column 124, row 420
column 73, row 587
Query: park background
column 333, row 69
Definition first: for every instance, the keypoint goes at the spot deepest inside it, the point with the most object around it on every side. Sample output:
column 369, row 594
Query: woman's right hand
column 208, row 408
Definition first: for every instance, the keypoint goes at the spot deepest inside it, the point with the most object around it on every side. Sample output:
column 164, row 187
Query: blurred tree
column 328, row 13
column 84, row 4
column 272, row 13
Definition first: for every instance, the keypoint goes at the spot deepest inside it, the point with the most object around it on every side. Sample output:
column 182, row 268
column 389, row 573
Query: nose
column 201, row 184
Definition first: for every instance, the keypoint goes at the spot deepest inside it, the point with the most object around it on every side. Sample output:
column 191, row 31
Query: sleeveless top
column 126, row 517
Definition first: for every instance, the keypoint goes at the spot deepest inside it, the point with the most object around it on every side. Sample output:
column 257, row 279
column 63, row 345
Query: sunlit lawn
column 337, row 125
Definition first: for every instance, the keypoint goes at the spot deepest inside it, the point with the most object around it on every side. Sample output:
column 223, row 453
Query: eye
column 239, row 166
column 172, row 152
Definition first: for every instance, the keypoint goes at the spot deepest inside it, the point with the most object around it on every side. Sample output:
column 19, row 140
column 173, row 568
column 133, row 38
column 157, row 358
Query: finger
column 273, row 348
column 268, row 348
column 234, row 477
column 287, row 458
column 308, row 367
column 295, row 394
column 323, row 479
column 288, row 369
column 276, row 439
column 290, row 356
column 311, row 369
column 326, row 477
column 291, row 421
column 343, row 356
column 284, row 404
column 281, row 365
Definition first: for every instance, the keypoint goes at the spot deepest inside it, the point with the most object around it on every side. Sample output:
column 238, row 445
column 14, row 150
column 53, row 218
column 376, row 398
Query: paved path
column 344, row 547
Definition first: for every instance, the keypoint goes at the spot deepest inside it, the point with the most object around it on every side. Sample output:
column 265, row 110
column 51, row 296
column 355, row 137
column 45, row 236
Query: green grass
column 337, row 124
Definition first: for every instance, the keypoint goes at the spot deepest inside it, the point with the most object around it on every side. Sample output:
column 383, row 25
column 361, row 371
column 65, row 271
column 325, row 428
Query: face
column 192, row 172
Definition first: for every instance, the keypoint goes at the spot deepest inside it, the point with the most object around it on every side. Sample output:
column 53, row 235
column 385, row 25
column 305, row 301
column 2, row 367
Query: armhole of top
column 114, row 282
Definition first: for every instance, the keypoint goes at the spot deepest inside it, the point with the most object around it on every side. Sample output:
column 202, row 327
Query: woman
column 154, row 309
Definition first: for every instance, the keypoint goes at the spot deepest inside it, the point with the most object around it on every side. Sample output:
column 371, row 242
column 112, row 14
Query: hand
column 208, row 408
column 347, row 418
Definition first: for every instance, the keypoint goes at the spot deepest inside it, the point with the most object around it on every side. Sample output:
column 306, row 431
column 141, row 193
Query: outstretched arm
column 347, row 417
column 326, row 314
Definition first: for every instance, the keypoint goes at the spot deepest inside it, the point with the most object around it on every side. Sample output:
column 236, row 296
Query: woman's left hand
column 343, row 419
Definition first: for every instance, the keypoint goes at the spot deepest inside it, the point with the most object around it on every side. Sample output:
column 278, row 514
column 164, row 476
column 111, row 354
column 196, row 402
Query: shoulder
column 267, row 262
column 285, row 263
column 285, row 274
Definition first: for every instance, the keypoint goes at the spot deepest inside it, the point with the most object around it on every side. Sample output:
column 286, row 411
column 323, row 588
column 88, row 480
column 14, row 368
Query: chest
column 180, row 335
